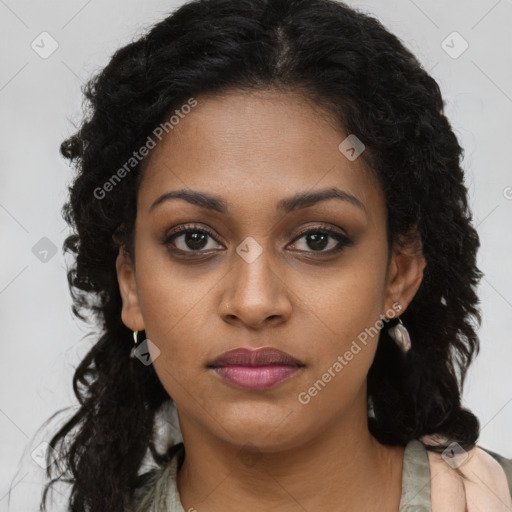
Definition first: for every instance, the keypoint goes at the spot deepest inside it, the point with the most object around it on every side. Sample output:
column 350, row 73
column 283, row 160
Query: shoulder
column 504, row 462
column 476, row 477
column 160, row 491
column 144, row 495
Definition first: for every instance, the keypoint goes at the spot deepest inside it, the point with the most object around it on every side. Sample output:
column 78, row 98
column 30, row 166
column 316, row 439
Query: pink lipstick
column 255, row 369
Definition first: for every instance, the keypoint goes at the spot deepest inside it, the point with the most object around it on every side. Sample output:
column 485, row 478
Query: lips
column 264, row 356
column 255, row 370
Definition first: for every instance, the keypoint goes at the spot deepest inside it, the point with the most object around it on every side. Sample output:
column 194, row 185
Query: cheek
column 170, row 306
column 172, row 298
column 351, row 302
column 342, row 361
column 350, row 309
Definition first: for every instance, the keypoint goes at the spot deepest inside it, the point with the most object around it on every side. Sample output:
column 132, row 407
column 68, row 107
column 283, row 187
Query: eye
column 318, row 239
column 189, row 239
column 193, row 239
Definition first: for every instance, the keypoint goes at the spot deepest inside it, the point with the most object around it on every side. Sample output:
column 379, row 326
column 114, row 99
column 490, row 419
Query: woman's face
column 257, row 280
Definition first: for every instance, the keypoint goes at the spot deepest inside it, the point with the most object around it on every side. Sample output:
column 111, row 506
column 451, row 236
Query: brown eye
column 190, row 239
column 319, row 239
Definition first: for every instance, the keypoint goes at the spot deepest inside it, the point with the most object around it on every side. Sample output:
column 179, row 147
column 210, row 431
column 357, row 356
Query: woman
column 271, row 226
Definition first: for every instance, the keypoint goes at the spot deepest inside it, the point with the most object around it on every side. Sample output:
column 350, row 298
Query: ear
column 131, row 314
column 405, row 272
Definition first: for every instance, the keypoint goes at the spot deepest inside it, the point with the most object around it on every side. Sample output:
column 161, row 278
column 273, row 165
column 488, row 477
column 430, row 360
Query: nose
column 256, row 294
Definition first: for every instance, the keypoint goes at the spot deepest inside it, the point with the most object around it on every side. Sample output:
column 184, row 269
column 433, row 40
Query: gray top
column 161, row 493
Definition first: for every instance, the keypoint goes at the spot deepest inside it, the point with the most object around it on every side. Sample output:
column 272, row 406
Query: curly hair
column 374, row 87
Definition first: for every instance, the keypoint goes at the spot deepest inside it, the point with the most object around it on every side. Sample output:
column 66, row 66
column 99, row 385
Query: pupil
column 194, row 240
column 316, row 244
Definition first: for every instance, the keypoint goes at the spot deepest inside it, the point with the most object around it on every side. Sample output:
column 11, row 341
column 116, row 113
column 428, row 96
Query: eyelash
column 343, row 240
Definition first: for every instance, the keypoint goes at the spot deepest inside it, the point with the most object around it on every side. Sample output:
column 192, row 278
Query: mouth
column 257, row 369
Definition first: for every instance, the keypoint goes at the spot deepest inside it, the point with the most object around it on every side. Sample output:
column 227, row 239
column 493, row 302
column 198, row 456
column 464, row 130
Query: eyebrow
column 296, row 202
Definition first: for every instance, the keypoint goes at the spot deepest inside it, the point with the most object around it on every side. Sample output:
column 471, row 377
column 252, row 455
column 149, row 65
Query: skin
column 264, row 450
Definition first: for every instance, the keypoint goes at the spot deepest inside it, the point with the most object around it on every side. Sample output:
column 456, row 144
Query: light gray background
column 39, row 98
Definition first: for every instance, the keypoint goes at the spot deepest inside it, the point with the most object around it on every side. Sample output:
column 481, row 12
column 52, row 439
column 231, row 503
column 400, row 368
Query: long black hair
column 344, row 60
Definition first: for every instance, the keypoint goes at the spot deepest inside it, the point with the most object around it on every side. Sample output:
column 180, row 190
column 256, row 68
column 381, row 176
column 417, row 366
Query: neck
column 344, row 461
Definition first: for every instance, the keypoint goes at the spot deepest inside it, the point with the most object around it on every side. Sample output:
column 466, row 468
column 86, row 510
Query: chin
column 268, row 428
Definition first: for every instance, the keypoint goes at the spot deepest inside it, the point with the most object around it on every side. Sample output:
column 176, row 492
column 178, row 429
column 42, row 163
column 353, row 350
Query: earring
column 400, row 335
column 134, row 348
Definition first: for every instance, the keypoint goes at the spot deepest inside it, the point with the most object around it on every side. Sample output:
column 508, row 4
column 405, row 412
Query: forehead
column 246, row 146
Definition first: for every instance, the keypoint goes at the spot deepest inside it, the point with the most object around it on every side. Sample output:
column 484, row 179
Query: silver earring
column 134, row 348
column 400, row 335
